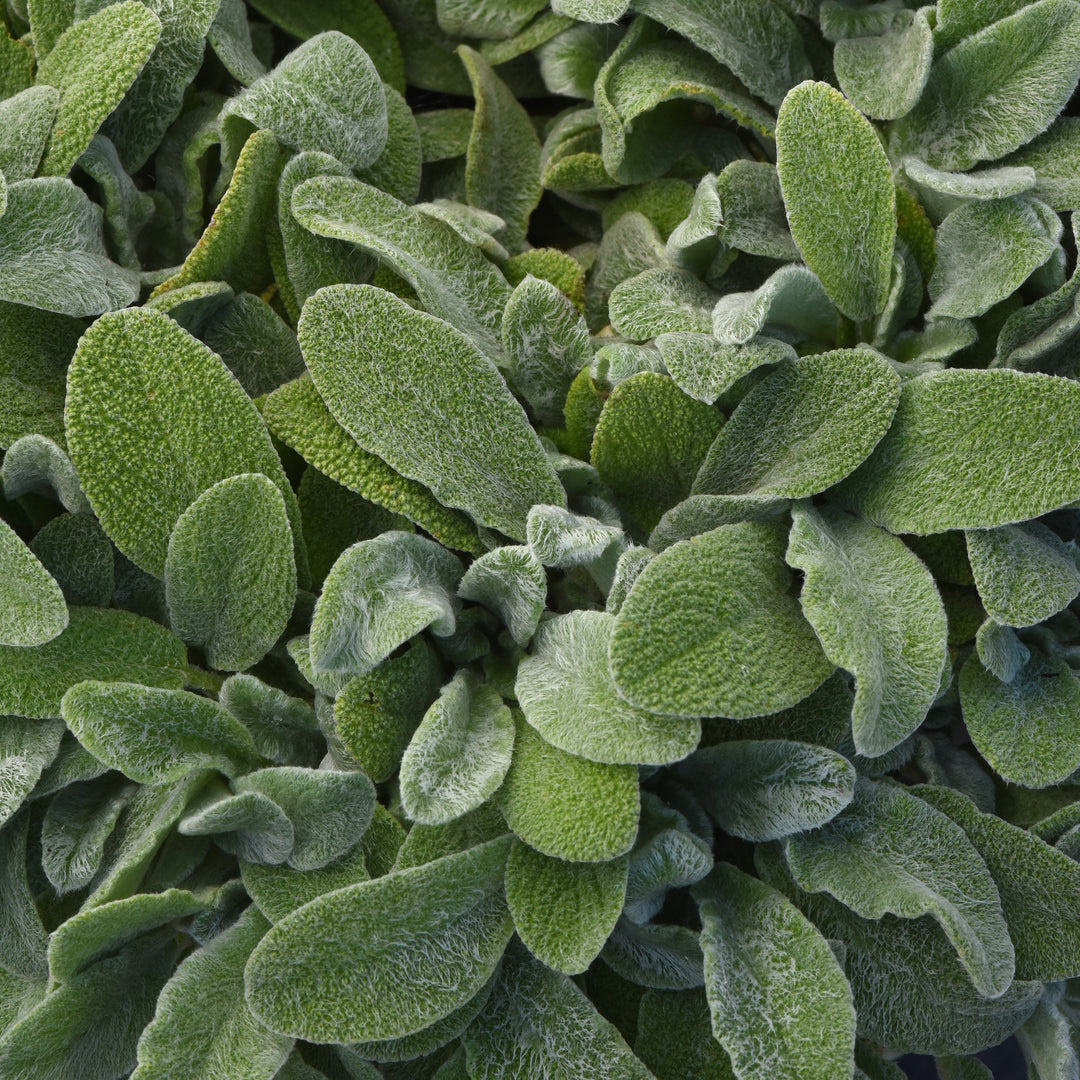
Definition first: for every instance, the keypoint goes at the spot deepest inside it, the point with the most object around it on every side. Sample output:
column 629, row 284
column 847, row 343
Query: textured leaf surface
column 704, row 367
column 26, row 120
column 26, row 747
column 32, row 608
column 566, row 692
column 1053, row 156
column 459, row 754
column 781, row 1006
column 753, row 218
column 435, row 418
column 151, row 434
column 511, row 582
column 948, row 462
column 792, row 304
column 388, row 957
column 695, row 1054
column 838, row 191
column 278, row 889
column 886, row 854
column 744, row 647
column 559, row 538
column 877, row 613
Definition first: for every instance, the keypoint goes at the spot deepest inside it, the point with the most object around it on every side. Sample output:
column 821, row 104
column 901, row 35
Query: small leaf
column 347, row 332
column 566, row 692
column 744, row 647
column 32, row 608
column 764, row 790
column 26, row 748
column 458, row 755
column 941, row 192
column 567, row 807
column 781, row 1006
column 877, row 613
column 886, row 854
column 509, row 581
column 36, row 464
column 384, row 958
column 250, row 825
column 563, row 911
column 838, row 191
column 379, row 594
column 792, row 304
column 23, row 939
column 656, row 955
column 155, row 736
column 704, row 368
column 659, row 301
column 1000, row 650
column 26, row 120
column 752, row 212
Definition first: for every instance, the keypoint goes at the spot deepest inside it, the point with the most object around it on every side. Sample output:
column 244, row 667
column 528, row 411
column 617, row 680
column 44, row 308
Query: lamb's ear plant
column 538, row 541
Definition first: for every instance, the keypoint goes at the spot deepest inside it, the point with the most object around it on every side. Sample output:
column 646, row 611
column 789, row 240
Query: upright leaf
column 32, row 608
column 26, row 747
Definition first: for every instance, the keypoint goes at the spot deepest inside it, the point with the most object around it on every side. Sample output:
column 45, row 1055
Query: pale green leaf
column 1046, row 1039
column 35, row 463
column 941, row 192
column 230, row 38
column 559, row 538
column 26, row 748
column 838, row 190
column 26, row 119
column 509, row 581
column 657, row 955
column 704, row 368
column 23, row 938
column 659, row 301
column 77, row 553
column 592, row 11
column 250, row 825
column 792, row 305
column 1000, row 650
column 752, row 215
column 277, row 889
column 32, row 608
column 1054, row 156
column 283, row 728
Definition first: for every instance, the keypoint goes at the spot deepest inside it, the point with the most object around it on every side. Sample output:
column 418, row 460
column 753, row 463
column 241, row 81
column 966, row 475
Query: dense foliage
column 538, row 543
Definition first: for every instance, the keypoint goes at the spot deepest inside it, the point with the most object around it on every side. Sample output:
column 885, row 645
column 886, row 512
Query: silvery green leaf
column 172, row 448
column 32, row 611
column 328, row 684
column 538, row 1023
column 631, row 245
column 592, row 11
column 155, row 736
column 656, row 955
column 563, row 911
column 346, row 333
column 549, row 800
column 230, row 38
column 1000, row 651
column 52, row 255
column 250, row 825
column 631, row 562
column 765, row 790
column 384, row 958
column 511, row 582
column 1030, row 58
column 109, row 644
column 475, row 226
column 1053, row 156
column 838, row 191
column 1024, row 572
column 26, row 119
column 841, row 20
column 459, row 18
column 758, row 42
column 546, row 344
column 398, row 168
column 203, row 1024
column 752, row 216
column 1046, row 1039
column 566, row 692
column 887, row 854
column 379, row 594
column 659, row 301
column 1039, row 886
column 425, row 843
column 459, row 754
column 781, row 1006
column 984, row 473
column 329, row 810
column 745, row 649
column 695, row 1054
column 35, row 463
column 283, row 728
column 560, row 538
column 453, row 279
column 792, row 305
column 702, row 223
column 940, row 339
column 615, row 363
column 278, row 889
column 941, row 192
column 905, row 297
column 1042, row 702
column 877, row 613
column 23, row 939
column 883, row 75
column 704, row 368
column 26, row 748
column 959, row 19
column 985, row 251
column 803, row 427
column 93, row 64
column 326, row 95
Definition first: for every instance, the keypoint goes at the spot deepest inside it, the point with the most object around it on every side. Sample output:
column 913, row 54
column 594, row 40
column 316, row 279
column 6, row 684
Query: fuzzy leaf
column 563, row 911
column 458, row 755
column 792, row 305
column 704, row 367
column 886, row 854
column 659, row 301
column 559, row 538
column 764, row 790
column 695, row 1054
column 781, row 1006
column 752, row 212
column 283, row 728
column 250, row 825
column 384, row 958
column 155, row 736
column 150, row 435
column 877, row 613
column 838, row 191
column 1053, row 156
column 657, row 955
column 77, row 553
column 26, row 747
column 277, row 889
column 36, row 464
column 26, row 119
column 745, row 649
column 511, row 582
column 23, row 939
column 32, row 608
column 566, row 692
column 948, row 462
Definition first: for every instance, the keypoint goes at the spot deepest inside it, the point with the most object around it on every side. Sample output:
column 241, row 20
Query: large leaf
column 743, row 647
column 433, row 412
column 384, row 958
column 838, row 191
column 877, row 613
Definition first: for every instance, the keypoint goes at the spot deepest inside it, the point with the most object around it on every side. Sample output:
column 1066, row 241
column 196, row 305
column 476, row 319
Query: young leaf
column 695, row 1054
column 436, row 419
column 250, row 825
column 379, row 594
column 947, row 462
column 568, row 807
column 838, row 190
column 283, row 728
column 566, row 692
column 877, row 613
column 559, row 538
column 764, row 790
column 781, row 1006
column 23, row 939
column 744, row 647
column 752, row 216
column 384, row 958
column 659, row 301
column 26, row 120
column 32, row 608
column 26, row 747
column 656, row 955
column 704, row 367
column 155, row 736
column 792, row 305
column 278, row 889
column 186, row 424
column 887, row 854
column 563, row 911
column 1053, row 156
column 509, row 581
